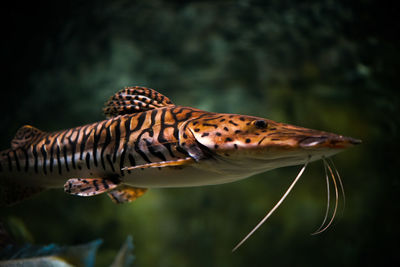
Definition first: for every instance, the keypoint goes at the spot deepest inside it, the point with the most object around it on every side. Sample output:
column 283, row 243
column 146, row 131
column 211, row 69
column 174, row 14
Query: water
column 329, row 65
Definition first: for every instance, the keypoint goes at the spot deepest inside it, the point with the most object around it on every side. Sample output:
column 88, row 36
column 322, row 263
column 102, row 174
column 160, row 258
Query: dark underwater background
column 328, row 65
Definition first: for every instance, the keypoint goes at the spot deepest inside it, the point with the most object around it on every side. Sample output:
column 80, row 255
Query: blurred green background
column 328, row 65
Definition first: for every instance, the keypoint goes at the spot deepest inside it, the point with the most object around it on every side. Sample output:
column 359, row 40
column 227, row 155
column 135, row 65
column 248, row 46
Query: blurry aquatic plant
column 125, row 256
column 83, row 255
column 50, row 255
column 15, row 229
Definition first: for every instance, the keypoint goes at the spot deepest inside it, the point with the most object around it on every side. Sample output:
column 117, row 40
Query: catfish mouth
column 245, row 138
column 295, row 148
column 301, row 143
column 328, row 141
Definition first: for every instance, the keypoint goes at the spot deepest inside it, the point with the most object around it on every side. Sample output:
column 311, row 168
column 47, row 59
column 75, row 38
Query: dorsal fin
column 25, row 136
column 135, row 99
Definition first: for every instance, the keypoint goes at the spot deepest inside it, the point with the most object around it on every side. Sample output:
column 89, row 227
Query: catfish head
column 237, row 146
column 252, row 145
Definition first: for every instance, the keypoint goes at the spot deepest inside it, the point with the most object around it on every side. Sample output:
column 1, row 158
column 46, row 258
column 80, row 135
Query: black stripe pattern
column 105, row 147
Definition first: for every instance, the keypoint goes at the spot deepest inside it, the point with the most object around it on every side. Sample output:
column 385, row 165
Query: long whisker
column 336, row 200
column 274, row 208
column 328, row 191
column 340, row 182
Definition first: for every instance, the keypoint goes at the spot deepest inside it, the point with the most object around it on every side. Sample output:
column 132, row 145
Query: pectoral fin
column 94, row 186
column 125, row 193
column 161, row 164
column 88, row 186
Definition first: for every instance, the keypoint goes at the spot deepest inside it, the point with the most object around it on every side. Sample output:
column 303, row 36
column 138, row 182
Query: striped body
column 102, row 149
column 149, row 142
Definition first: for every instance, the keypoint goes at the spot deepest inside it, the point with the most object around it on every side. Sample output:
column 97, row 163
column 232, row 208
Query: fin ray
column 125, row 193
column 162, row 164
column 25, row 136
column 88, row 186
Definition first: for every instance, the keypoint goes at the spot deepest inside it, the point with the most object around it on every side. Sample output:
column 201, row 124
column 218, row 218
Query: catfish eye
column 261, row 124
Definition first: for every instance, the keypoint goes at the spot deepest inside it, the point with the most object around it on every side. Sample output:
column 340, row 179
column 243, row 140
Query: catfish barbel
column 149, row 142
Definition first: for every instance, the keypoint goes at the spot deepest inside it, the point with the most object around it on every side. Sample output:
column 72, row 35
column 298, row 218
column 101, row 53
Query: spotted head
column 253, row 142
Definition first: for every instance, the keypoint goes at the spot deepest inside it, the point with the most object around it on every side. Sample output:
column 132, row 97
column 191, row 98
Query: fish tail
column 11, row 191
column 4, row 160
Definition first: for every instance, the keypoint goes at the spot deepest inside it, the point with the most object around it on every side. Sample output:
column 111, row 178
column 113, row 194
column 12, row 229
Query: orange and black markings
column 144, row 131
